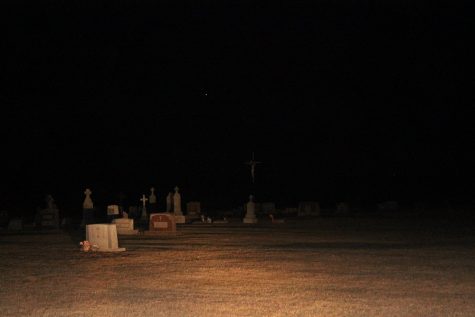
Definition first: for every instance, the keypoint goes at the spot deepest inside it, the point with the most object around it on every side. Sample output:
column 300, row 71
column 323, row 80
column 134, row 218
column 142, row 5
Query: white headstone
column 104, row 236
column 125, row 226
column 87, row 204
column 169, row 202
column 250, row 211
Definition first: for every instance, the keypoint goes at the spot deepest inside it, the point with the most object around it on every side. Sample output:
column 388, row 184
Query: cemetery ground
column 327, row 266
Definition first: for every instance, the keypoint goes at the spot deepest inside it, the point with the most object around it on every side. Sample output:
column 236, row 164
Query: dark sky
column 362, row 101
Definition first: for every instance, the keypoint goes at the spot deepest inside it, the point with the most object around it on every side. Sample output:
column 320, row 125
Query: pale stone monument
column 125, row 226
column 250, row 211
column 87, row 204
column 104, row 236
column 179, row 218
column 161, row 223
column 169, row 202
column 144, row 208
column 152, row 201
column 88, row 208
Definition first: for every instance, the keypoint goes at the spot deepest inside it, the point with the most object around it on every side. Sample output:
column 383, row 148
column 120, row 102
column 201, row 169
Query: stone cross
column 144, row 207
column 177, row 202
column 87, row 204
column 144, row 200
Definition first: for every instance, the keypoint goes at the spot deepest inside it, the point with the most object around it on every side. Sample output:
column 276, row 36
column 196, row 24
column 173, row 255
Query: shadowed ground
column 306, row 267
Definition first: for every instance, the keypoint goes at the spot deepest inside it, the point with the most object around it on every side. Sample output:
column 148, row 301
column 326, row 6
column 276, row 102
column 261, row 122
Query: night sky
column 359, row 101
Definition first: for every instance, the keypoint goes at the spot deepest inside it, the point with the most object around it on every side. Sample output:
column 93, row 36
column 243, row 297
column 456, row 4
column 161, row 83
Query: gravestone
column 113, row 210
column 87, row 208
column 87, row 204
column 169, row 202
column 179, row 218
column 144, row 217
column 104, row 236
column 268, row 208
column 125, row 226
column 48, row 217
column 133, row 212
column 15, row 224
column 250, row 211
column 308, row 208
column 161, row 223
column 342, row 209
column 193, row 210
column 152, row 201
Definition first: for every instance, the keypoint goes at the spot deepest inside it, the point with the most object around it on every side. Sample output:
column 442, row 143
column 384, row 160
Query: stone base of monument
column 161, row 223
column 104, row 236
column 125, row 226
column 180, row 219
column 249, row 220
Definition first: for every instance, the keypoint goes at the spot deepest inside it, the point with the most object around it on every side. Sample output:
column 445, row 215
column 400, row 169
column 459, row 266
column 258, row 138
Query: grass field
column 306, row 267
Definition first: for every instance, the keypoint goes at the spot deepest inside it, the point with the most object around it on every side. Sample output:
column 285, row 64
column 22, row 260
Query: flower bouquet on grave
column 86, row 246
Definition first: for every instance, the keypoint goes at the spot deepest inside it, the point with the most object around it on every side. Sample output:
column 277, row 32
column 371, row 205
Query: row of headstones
column 305, row 208
column 126, row 226
column 173, row 205
column 104, row 236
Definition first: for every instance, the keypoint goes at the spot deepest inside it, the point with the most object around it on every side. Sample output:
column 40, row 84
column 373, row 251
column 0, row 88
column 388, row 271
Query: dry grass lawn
column 318, row 267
